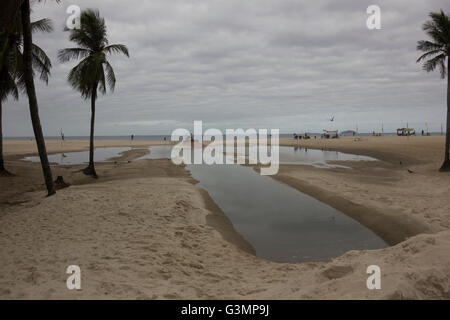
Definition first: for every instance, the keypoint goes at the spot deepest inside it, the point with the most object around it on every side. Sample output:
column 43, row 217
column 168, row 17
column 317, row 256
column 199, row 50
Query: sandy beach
column 144, row 230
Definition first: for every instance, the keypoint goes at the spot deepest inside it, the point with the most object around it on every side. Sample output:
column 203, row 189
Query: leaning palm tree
column 436, row 52
column 31, row 93
column 12, row 73
column 93, row 71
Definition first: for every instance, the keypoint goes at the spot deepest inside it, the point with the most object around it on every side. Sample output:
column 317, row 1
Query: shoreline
column 219, row 221
column 392, row 228
column 22, row 148
column 383, row 148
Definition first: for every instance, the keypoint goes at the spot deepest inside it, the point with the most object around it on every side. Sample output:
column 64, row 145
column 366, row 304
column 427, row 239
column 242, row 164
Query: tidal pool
column 73, row 158
column 281, row 223
column 288, row 155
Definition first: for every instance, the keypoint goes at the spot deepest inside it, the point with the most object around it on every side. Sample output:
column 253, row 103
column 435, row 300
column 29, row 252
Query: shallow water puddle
column 158, row 152
column 280, row 222
column 288, row 155
column 317, row 158
column 73, row 158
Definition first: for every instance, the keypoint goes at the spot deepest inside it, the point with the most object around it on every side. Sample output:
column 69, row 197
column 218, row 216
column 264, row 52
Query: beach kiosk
column 401, row 132
column 333, row 134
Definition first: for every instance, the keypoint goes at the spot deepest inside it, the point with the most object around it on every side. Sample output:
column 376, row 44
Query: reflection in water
column 158, row 152
column 281, row 223
column 317, row 158
column 73, row 158
column 288, row 155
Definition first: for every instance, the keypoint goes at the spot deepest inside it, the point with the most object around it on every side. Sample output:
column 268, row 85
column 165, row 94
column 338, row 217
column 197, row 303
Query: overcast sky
column 286, row 64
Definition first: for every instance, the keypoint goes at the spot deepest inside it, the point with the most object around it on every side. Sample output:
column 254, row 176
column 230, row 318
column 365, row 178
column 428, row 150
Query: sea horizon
column 157, row 137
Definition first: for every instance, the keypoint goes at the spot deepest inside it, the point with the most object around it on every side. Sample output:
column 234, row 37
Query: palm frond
column 437, row 50
column 431, row 64
column 43, row 25
column 110, row 76
column 79, row 79
column 427, row 54
column 4, row 49
column 117, row 48
column 424, row 45
column 11, row 58
column 41, row 62
column 92, row 31
column 101, row 80
column 80, row 37
column 441, row 24
column 87, row 74
column 8, row 85
column 68, row 54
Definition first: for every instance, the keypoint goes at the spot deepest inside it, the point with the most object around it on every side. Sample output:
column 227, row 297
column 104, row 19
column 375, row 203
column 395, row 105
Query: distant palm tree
column 31, row 93
column 12, row 75
column 437, row 51
column 94, row 70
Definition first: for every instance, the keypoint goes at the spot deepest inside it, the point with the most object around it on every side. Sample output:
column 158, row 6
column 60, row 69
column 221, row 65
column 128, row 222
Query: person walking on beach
column 132, row 137
column 62, row 142
column 62, row 137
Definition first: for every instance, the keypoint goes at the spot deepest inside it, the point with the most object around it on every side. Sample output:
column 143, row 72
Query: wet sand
column 18, row 149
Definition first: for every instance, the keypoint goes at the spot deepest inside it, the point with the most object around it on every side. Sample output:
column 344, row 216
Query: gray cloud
column 285, row 64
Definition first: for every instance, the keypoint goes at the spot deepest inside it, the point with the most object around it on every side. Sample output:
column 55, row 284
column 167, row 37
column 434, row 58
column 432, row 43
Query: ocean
column 161, row 137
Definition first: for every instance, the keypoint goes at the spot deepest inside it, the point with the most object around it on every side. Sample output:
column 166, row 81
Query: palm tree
column 437, row 51
column 93, row 71
column 31, row 93
column 12, row 65
column 8, row 87
column 10, row 9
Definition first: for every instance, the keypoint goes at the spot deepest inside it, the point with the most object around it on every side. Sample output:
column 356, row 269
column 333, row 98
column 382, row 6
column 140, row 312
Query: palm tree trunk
column 31, row 92
column 2, row 165
column 446, row 164
column 90, row 170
